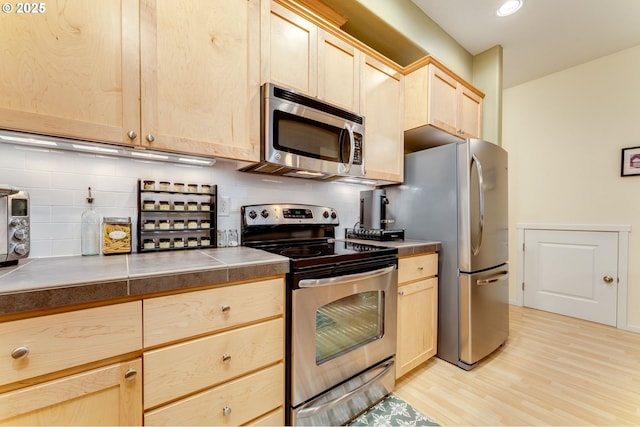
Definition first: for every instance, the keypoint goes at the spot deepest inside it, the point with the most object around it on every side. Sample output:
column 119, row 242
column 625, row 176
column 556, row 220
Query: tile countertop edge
column 31, row 286
column 405, row 247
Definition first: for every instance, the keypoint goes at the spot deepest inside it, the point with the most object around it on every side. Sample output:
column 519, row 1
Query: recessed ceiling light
column 509, row 7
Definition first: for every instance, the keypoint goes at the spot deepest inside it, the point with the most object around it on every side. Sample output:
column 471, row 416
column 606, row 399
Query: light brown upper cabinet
column 382, row 100
column 177, row 76
column 200, row 89
column 436, row 98
column 299, row 55
column 72, row 70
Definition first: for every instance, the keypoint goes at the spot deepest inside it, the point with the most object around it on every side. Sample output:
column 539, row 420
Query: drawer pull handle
column 226, row 308
column 226, row 358
column 130, row 374
column 226, row 411
column 421, row 268
column 20, row 352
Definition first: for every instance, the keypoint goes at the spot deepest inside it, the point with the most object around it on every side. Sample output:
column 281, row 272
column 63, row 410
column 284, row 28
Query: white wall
column 57, row 184
column 564, row 134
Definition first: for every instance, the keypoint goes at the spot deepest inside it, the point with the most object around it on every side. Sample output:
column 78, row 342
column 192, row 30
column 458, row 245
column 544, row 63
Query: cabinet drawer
column 174, row 371
column 61, row 341
column 417, row 267
column 181, row 316
column 233, row 403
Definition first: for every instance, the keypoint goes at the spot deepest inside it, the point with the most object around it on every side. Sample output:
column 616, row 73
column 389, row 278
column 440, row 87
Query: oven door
column 341, row 326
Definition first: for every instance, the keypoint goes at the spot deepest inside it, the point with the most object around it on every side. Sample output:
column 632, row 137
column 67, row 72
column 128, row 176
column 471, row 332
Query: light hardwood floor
column 553, row 370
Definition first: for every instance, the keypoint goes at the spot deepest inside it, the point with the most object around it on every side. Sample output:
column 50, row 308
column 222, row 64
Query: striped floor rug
column 392, row 411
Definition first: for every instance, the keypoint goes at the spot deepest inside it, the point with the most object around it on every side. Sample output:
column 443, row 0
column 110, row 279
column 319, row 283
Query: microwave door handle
column 352, row 150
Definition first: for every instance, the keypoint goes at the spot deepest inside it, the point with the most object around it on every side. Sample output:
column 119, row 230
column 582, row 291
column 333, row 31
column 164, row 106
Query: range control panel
column 280, row 214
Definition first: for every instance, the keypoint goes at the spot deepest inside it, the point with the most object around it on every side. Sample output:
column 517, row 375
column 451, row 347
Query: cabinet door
column 417, row 324
column 383, row 107
column 469, row 114
column 338, row 72
column 105, row 396
column 442, row 100
column 289, row 50
column 200, row 77
column 72, row 70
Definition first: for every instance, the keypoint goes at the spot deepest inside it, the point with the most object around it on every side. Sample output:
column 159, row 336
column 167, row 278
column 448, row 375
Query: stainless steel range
column 341, row 312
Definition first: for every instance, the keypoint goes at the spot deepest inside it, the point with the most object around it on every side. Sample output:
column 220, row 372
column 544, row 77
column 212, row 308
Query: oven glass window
column 348, row 323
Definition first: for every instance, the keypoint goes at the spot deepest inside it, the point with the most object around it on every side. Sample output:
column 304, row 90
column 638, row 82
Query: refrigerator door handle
column 476, row 249
column 493, row 279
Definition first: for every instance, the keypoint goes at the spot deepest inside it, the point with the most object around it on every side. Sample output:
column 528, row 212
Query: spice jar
column 165, row 186
column 149, row 224
column 165, row 243
column 178, row 242
column 149, row 244
column 163, row 224
column 164, row 205
column 192, row 206
column 116, row 236
column 205, row 224
column 178, row 206
column 149, row 185
column 192, row 242
column 192, row 224
column 205, row 241
column 178, row 224
column 205, row 206
column 178, row 186
column 205, row 188
column 149, row 205
column 192, row 188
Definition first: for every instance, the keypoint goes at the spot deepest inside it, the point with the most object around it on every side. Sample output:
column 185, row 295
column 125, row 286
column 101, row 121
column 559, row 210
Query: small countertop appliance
column 14, row 225
column 373, row 218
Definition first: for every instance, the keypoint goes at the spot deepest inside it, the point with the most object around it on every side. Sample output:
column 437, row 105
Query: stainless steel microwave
column 14, row 225
column 309, row 138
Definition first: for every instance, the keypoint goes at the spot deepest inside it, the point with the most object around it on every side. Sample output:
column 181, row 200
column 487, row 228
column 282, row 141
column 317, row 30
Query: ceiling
column 544, row 37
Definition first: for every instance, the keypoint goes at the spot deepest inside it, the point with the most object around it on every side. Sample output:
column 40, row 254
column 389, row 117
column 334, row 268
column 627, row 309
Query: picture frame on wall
column 630, row 162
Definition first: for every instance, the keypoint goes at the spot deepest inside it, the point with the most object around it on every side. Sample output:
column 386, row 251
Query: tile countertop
column 405, row 247
column 46, row 283
column 43, row 283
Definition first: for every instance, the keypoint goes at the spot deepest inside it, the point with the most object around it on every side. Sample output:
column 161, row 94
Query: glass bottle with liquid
column 90, row 231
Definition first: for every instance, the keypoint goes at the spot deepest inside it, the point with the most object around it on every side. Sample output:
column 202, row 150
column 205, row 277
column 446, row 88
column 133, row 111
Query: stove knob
column 21, row 249
column 21, row 234
column 264, row 213
column 333, row 215
column 252, row 214
column 325, row 214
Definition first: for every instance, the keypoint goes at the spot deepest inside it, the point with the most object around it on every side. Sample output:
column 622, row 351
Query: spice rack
column 176, row 216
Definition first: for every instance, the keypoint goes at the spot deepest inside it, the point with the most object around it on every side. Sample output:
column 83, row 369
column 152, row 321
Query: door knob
column 608, row 280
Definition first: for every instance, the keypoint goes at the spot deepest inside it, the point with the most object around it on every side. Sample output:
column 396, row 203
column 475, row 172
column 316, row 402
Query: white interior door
column 574, row 273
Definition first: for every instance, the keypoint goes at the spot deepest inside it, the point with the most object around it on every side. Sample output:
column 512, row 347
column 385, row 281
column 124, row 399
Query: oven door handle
column 307, row 410
column 339, row 280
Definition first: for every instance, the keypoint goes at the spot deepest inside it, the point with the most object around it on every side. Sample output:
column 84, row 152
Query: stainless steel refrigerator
column 457, row 194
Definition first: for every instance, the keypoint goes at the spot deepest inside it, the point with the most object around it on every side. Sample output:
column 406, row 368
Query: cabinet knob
column 226, row 411
column 421, row 268
column 226, row 358
column 608, row 280
column 401, row 293
column 132, row 135
column 150, row 138
column 226, row 308
column 130, row 374
column 20, row 352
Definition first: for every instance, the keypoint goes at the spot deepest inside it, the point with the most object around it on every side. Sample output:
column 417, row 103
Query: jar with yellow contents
column 116, row 236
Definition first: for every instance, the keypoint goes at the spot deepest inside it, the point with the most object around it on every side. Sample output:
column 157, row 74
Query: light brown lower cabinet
column 233, row 403
column 417, row 311
column 111, row 395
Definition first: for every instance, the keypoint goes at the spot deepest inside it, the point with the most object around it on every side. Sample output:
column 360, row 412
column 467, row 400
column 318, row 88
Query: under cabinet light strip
column 64, row 144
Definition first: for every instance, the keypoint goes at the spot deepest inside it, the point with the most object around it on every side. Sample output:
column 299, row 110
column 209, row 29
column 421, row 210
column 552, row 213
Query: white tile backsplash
column 57, row 184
